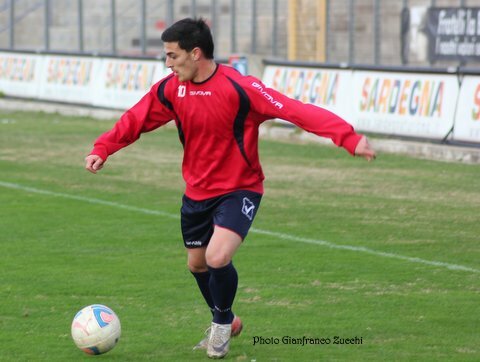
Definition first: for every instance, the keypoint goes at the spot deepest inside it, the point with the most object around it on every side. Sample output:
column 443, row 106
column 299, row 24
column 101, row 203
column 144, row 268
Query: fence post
column 213, row 15
column 11, row 24
column 351, row 32
column 143, row 25
column 292, row 29
column 253, row 39
column 377, row 30
column 193, row 8
column 113, row 24
column 46, row 29
column 233, row 26
column 321, row 31
column 275, row 28
column 80, row 25
column 327, row 31
column 404, row 31
column 170, row 13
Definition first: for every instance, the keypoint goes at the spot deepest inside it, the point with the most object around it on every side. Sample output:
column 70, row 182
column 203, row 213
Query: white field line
column 359, row 249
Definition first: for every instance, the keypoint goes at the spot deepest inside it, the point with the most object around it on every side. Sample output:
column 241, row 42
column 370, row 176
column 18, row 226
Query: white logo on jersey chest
column 200, row 93
column 181, row 91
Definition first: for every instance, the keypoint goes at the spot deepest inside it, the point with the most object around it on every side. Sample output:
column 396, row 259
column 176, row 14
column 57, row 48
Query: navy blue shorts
column 234, row 211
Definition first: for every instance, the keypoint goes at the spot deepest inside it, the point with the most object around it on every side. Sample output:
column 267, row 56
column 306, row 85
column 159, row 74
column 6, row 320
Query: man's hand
column 364, row 150
column 94, row 163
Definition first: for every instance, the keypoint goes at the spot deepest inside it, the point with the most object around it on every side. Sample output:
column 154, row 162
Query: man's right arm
column 93, row 163
column 145, row 116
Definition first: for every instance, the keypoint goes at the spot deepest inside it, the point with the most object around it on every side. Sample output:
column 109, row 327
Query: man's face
column 181, row 62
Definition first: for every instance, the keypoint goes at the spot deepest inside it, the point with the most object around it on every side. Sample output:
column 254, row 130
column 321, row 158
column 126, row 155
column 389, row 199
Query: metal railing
column 340, row 31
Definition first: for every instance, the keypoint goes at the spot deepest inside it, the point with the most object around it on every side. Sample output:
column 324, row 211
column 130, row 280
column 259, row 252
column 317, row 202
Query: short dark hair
column 190, row 33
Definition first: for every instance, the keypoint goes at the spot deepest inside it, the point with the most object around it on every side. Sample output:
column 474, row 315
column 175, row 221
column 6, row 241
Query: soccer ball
column 96, row 329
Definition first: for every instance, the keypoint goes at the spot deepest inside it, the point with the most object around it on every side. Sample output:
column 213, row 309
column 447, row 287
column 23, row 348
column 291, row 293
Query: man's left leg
column 223, row 287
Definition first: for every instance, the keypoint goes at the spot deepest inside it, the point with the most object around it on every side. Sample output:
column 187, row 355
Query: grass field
column 387, row 252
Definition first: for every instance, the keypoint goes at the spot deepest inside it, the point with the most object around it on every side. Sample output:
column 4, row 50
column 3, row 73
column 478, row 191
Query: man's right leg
column 198, row 267
column 197, row 228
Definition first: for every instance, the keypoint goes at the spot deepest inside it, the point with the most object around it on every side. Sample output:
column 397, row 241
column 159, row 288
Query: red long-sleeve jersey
column 218, row 122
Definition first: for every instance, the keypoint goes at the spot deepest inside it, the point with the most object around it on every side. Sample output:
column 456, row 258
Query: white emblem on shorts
column 247, row 208
column 193, row 243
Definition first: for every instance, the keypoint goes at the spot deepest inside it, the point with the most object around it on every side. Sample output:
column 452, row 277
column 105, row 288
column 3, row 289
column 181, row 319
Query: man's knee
column 218, row 260
column 197, row 268
column 197, row 265
column 196, row 260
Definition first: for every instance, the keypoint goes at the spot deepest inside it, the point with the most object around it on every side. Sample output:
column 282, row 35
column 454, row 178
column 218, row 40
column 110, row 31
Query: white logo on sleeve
column 268, row 96
column 247, row 208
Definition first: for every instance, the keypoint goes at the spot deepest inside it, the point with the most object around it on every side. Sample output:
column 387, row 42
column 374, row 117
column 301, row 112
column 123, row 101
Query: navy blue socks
column 223, row 287
column 203, row 280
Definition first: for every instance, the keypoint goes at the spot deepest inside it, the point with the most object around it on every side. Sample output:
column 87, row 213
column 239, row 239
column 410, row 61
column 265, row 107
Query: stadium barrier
column 108, row 82
column 467, row 118
column 440, row 105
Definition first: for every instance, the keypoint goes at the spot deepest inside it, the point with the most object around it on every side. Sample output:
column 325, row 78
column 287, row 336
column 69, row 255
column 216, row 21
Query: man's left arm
column 363, row 149
column 273, row 104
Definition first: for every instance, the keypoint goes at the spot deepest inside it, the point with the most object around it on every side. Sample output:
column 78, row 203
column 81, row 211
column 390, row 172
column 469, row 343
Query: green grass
column 59, row 253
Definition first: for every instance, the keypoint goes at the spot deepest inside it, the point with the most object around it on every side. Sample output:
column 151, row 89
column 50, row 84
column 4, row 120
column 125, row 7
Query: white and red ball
column 96, row 329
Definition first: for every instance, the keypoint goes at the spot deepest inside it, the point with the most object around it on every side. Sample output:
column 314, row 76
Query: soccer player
column 217, row 112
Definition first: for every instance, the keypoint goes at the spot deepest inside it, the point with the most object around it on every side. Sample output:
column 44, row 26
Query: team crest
column 247, row 208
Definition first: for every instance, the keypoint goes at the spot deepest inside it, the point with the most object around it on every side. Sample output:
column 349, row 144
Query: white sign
column 122, row 82
column 407, row 104
column 20, row 74
column 327, row 88
column 68, row 79
column 467, row 119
